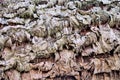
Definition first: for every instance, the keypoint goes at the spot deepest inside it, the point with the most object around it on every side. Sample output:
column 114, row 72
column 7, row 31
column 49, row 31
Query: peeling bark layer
column 59, row 40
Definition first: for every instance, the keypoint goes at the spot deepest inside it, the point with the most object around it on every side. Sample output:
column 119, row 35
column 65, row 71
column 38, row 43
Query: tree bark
column 59, row 40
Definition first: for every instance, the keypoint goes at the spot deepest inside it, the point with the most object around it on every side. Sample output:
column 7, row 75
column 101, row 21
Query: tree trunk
column 59, row 40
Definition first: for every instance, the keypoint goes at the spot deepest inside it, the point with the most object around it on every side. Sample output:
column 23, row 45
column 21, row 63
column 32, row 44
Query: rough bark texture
column 59, row 40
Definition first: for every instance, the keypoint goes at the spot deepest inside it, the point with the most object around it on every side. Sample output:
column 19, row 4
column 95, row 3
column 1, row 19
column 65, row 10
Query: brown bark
column 59, row 40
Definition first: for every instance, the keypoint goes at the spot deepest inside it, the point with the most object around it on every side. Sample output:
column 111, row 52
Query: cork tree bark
column 59, row 40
